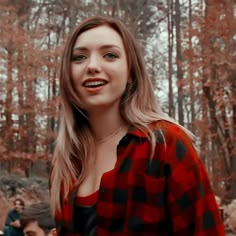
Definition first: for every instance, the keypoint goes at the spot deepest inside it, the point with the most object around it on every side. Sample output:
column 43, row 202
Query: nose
column 93, row 65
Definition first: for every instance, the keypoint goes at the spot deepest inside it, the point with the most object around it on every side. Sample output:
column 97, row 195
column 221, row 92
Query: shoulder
column 169, row 130
column 170, row 133
column 173, row 145
column 12, row 211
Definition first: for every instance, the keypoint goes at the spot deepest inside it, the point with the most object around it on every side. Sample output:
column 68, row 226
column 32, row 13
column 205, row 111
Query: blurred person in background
column 36, row 220
column 12, row 223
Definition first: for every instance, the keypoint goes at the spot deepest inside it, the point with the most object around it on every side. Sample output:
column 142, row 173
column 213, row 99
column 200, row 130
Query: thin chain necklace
column 102, row 140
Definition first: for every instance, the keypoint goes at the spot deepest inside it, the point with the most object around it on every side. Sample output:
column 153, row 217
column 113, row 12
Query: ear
column 52, row 232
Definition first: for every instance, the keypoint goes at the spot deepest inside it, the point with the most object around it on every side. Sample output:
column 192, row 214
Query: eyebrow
column 29, row 232
column 108, row 46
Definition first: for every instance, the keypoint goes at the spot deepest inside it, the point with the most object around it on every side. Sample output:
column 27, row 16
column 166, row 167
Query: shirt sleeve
column 191, row 202
column 193, row 208
column 9, row 218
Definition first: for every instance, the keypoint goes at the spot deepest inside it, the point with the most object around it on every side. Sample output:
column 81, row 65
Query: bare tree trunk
column 170, row 55
column 222, row 144
column 73, row 13
column 230, row 127
column 191, row 78
column 179, row 62
column 232, row 77
column 100, row 7
column 9, row 121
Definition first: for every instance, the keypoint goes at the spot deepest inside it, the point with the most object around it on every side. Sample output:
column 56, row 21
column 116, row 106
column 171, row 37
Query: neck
column 106, row 123
column 109, row 136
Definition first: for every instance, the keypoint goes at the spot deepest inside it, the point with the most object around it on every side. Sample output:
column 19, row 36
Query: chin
column 101, row 104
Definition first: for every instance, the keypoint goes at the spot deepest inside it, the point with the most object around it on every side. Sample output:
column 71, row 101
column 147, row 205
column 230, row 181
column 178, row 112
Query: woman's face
column 99, row 68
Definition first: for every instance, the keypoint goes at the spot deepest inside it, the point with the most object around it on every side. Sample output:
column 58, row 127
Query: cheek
column 125, row 73
column 121, row 73
column 40, row 232
column 76, row 73
column 73, row 75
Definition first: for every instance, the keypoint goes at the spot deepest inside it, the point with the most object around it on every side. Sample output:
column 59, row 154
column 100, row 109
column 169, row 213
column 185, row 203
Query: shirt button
column 102, row 190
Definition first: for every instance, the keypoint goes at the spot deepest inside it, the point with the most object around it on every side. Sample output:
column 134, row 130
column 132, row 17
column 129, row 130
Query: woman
column 120, row 166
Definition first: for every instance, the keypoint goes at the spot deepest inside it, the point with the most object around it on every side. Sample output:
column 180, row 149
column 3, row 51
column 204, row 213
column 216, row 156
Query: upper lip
column 93, row 79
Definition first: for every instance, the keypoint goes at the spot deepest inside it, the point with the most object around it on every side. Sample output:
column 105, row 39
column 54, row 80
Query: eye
column 110, row 55
column 80, row 57
column 30, row 233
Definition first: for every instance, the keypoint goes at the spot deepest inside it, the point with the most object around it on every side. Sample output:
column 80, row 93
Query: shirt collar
column 133, row 130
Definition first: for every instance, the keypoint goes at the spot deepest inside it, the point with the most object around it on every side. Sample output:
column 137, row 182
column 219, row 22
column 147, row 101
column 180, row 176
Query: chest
column 105, row 161
column 135, row 189
column 132, row 197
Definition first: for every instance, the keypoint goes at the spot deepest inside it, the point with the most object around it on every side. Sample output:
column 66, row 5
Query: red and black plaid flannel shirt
column 167, row 195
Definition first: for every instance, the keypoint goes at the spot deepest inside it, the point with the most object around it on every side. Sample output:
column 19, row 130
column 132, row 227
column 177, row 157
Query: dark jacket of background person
column 10, row 230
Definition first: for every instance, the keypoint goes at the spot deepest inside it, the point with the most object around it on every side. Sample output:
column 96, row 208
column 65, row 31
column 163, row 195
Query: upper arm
column 191, row 200
column 8, row 219
column 193, row 208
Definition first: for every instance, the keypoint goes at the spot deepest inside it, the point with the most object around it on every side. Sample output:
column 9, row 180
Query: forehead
column 101, row 35
column 17, row 202
column 32, row 228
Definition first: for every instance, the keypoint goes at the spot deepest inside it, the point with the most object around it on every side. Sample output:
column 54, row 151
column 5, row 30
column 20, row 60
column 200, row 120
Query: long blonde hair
column 138, row 107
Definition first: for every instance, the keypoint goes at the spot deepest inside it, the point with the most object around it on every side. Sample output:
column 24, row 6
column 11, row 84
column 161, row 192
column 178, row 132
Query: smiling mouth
column 94, row 84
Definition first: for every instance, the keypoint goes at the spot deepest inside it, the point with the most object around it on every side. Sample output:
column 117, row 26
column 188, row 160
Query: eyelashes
column 78, row 57
column 111, row 55
column 82, row 57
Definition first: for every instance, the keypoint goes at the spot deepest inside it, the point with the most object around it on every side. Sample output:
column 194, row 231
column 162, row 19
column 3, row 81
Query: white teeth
column 94, row 83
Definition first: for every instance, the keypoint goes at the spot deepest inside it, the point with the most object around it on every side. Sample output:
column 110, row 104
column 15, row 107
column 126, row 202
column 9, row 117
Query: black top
column 85, row 220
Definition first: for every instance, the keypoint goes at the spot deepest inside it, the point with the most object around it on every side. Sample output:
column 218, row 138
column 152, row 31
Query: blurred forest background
column 190, row 51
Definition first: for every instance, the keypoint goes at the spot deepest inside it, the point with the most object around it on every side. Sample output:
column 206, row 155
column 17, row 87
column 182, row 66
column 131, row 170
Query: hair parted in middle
column 138, row 107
